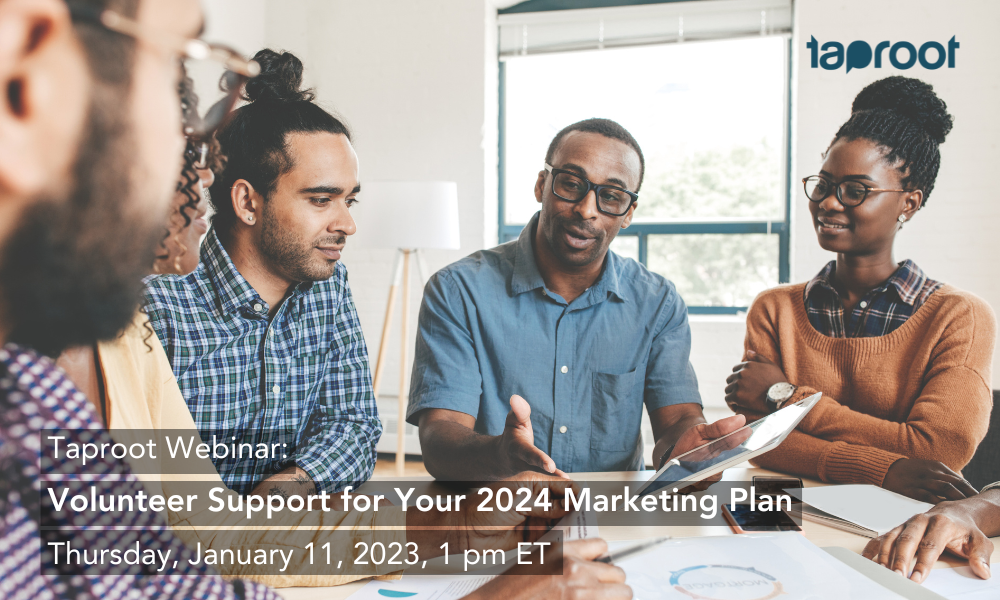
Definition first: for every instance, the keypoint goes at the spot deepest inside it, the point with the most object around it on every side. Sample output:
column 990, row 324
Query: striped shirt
column 36, row 396
column 299, row 378
column 882, row 310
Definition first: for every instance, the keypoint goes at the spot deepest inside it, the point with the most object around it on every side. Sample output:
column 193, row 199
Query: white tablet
column 741, row 445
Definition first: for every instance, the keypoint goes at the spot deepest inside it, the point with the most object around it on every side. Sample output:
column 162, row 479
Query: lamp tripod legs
column 400, row 278
column 383, row 346
column 403, row 387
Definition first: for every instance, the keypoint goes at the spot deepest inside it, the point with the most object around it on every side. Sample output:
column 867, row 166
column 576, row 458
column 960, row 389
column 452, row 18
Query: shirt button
column 563, row 429
column 276, row 389
column 863, row 304
column 565, row 369
column 258, row 307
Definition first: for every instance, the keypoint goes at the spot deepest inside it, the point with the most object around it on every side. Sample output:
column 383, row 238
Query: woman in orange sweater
column 903, row 361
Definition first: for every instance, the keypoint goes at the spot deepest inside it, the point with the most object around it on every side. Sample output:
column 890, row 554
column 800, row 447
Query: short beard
column 290, row 254
column 553, row 229
column 71, row 272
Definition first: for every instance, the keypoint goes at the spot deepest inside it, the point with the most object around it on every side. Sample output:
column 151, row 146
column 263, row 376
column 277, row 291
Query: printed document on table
column 961, row 584
column 746, row 567
column 870, row 508
column 423, row 587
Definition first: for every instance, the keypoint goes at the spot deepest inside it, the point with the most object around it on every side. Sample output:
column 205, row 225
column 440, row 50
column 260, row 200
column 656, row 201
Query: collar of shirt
column 526, row 277
column 233, row 290
column 907, row 281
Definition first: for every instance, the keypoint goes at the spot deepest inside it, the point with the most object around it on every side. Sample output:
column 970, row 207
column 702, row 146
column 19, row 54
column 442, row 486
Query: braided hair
column 908, row 120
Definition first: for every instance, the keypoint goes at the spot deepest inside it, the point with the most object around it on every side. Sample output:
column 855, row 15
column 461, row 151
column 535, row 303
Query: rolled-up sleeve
column 445, row 366
column 670, row 378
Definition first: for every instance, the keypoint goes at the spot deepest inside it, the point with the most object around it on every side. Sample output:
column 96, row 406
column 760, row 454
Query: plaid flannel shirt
column 36, row 396
column 302, row 374
column 880, row 312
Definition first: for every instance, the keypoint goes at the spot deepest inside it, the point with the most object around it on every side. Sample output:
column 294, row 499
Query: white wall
column 236, row 23
column 953, row 238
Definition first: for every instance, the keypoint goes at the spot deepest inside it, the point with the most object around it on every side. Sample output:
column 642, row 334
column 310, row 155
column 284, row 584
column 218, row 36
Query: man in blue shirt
column 263, row 337
column 585, row 336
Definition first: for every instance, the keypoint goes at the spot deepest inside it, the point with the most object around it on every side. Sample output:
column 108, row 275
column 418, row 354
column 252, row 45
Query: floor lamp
column 409, row 216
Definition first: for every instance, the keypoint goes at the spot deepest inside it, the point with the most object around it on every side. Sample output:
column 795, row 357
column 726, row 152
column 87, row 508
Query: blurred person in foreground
column 89, row 151
column 90, row 147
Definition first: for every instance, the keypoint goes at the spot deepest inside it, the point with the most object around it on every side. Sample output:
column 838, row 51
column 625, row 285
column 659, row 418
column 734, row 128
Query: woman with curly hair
column 903, row 361
column 187, row 224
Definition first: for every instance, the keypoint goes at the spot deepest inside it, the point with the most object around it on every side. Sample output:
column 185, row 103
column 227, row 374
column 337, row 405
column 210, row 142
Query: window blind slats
column 567, row 30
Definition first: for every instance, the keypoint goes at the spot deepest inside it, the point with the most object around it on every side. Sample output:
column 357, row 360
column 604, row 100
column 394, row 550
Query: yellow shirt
column 142, row 395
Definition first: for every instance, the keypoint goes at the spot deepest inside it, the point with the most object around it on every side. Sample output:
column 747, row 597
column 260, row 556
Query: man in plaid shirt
column 263, row 336
column 90, row 142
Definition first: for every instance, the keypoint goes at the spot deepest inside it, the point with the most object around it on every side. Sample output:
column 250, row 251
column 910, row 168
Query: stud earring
column 250, row 218
column 901, row 218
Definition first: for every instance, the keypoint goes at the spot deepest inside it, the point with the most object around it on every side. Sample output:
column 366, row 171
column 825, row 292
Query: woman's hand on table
column 950, row 526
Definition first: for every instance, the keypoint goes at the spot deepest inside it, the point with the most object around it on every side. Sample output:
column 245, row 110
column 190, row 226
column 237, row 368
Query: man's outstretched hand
column 517, row 443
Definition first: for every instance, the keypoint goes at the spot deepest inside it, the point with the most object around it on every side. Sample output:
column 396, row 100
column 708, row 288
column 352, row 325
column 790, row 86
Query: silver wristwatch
column 778, row 394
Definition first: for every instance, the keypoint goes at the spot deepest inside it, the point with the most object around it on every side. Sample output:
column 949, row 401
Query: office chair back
column 984, row 468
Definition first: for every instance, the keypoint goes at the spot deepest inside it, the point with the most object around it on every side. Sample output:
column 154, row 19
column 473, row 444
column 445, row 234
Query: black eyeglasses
column 219, row 72
column 611, row 200
column 849, row 193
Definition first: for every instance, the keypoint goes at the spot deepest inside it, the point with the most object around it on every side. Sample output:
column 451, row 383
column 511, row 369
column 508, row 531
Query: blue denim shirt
column 489, row 328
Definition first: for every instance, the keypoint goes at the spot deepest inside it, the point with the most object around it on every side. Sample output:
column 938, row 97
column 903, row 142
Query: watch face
column 781, row 391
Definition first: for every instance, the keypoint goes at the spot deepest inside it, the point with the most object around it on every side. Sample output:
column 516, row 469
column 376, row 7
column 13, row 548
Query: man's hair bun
column 254, row 138
column 911, row 98
column 280, row 79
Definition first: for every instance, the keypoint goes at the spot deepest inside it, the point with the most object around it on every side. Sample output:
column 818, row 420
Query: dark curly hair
column 253, row 138
column 197, row 152
column 905, row 117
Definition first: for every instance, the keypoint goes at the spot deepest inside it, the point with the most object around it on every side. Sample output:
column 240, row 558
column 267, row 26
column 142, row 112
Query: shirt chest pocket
column 305, row 376
column 615, row 411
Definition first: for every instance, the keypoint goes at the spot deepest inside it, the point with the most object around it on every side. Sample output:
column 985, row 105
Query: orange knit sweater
column 923, row 391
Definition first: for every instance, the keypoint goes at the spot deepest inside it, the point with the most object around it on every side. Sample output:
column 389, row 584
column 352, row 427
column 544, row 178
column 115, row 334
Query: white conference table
column 820, row 535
